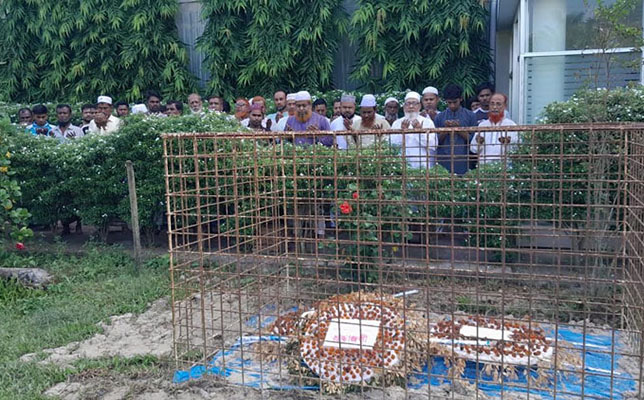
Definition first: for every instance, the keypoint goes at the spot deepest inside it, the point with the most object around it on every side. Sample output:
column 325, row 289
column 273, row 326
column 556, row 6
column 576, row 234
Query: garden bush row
column 87, row 177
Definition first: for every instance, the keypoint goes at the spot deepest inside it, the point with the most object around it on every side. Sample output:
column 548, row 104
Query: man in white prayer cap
column 430, row 102
column 369, row 120
column 290, row 110
column 418, row 147
column 391, row 109
column 345, row 123
column 306, row 120
column 104, row 122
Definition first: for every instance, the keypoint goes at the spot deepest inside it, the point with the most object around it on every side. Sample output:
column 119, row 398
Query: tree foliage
column 258, row 46
column 413, row 43
column 78, row 49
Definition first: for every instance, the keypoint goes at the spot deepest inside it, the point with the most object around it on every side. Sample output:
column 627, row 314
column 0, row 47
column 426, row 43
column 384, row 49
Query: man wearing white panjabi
column 419, row 147
column 345, row 123
column 494, row 146
column 280, row 126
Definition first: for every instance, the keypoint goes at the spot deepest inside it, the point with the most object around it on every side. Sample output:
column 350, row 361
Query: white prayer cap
column 368, row 100
column 291, row 96
column 139, row 109
column 347, row 98
column 303, row 96
column 430, row 89
column 412, row 96
column 104, row 99
column 395, row 100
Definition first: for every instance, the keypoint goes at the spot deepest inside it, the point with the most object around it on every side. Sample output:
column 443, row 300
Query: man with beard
column 391, row 109
column 290, row 111
column 494, row 146
column 242, row 108
column 483, row 93
column 369, row 120
column 153, row 103
column 64, row 130
column 430, row 102
column 306, row 120
column 454, row 146
column 195, row 103
column 279, row 97
column 419, row 147
column 345, row 123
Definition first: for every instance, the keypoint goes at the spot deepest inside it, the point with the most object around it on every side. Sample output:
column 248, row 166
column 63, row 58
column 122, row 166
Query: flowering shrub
column 13, row 220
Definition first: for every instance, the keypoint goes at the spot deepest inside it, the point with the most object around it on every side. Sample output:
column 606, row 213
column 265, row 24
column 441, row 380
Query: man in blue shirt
column 453, row 147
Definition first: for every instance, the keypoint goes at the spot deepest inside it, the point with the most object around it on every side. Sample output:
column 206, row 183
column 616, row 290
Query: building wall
column 502, row 62
column 191, row 27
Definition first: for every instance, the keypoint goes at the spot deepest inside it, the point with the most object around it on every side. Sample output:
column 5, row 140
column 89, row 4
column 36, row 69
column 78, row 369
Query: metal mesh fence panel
column 373, row 271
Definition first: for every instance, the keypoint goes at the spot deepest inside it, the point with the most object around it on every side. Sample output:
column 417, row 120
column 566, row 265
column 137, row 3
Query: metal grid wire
column 284, row 243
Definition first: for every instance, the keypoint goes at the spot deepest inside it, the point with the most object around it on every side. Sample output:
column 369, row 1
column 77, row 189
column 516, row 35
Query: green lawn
column 88, row 289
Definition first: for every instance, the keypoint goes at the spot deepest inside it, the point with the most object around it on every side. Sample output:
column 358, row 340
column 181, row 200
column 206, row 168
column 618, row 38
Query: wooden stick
column 134, row 211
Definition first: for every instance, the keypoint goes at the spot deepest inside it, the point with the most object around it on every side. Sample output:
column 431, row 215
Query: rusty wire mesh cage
column 369, row 270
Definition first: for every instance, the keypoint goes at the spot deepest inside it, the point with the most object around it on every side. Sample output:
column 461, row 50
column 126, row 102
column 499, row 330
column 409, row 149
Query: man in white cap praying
column 306, row 120
column 419, row 148
column 430, row 102
column 345, row 122
column 391, row 109
column 369, row 120
column 290, row 111
column 104, row 122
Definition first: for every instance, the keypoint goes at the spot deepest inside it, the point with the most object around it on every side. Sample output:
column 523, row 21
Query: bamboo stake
column 134, row 211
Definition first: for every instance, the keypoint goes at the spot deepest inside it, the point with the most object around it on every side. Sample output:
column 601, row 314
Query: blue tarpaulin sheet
column 601, row 357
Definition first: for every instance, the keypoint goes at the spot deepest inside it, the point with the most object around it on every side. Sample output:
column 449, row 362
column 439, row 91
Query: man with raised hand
column 391, row 109
column 430, row 102
column 369, row 120
column 104, row 122
column 418, row 147
column 494, row 146
column 290, row 111
column 64, row 130
column 306, row 120
column 454, row 146
column 345, row 122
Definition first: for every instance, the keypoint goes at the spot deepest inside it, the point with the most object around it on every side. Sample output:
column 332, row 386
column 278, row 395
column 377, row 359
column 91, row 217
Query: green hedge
column 86, row 177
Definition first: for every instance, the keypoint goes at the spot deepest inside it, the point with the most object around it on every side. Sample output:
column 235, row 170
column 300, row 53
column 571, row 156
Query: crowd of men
column 457, row 151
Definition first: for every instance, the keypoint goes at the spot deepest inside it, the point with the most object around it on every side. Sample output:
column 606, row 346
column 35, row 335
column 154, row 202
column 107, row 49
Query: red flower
column 345, row 208
column 355, row 196
column 20, row 246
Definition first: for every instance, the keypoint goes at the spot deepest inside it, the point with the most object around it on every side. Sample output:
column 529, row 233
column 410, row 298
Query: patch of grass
column 88, row 289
